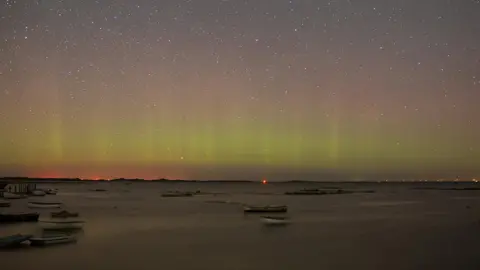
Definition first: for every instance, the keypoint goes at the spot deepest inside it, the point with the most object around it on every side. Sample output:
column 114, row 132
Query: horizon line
column 66, row 179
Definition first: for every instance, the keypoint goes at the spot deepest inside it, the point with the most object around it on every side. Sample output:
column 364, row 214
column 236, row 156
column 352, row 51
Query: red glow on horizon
column 47, row 176
column 264, row 181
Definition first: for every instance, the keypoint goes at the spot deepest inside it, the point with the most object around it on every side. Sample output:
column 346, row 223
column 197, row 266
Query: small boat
column 275, row 220
column 12, row 196
column 51, row 191
column 38, row 192
column 52, row 240
column 318, row 192
column 265, row 209
column 216, row 201
column 177, row 194
column 4, row 204
column 13, row 240
column 63, row 214
column 44, row 205
column 62, row 224
column 19, row 217
column 307, row 191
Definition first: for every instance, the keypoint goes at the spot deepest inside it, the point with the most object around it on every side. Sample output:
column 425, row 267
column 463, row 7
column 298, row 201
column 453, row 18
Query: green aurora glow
column 85, row 96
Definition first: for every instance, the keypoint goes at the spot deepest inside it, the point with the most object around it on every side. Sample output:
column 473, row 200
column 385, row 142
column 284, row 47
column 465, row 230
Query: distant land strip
column 164, row 180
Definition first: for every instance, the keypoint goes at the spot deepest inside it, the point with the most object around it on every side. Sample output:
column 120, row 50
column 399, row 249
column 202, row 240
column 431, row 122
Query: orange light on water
column 264, row 181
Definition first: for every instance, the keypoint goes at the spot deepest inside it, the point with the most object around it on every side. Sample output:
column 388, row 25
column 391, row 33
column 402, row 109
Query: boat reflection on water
column 275, row 221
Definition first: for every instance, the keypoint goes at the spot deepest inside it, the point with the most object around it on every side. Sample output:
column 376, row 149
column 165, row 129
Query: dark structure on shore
column 15, row 187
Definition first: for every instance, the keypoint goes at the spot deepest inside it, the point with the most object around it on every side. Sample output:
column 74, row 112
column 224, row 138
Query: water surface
column 133, row 227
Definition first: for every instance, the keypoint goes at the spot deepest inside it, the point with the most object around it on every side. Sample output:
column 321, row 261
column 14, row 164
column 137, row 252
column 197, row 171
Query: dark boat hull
column 172, row 195
column 266, row 211
column 4, row 204
column 63, row 214
column 269, row 209
column 13, row 218
column 13, row 240
column 52, row 241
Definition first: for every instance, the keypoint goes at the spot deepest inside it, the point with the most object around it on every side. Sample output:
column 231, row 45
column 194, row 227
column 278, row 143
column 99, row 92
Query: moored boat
column 18, row 217
column 52, row 240
column 12, row 196
column 269, row 220
column 307, row 191
column 317, row 192
column 177, row 194
column 62, row 224
column 4, row 204
column 13, row 240
column 38, row 192
column 98, row 190
column 63, row 214
column 44, row 204
column 265, row 209
column 51, row 191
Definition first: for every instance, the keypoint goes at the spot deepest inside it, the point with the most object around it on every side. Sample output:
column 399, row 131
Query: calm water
column 132, row 227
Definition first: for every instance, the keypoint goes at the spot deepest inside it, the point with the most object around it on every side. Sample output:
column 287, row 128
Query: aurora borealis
column 237, row 89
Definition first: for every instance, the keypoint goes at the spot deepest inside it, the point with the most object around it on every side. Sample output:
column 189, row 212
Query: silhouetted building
column 18, row 188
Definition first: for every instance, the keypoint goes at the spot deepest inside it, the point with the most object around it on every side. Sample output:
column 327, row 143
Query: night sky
column 240, row 89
